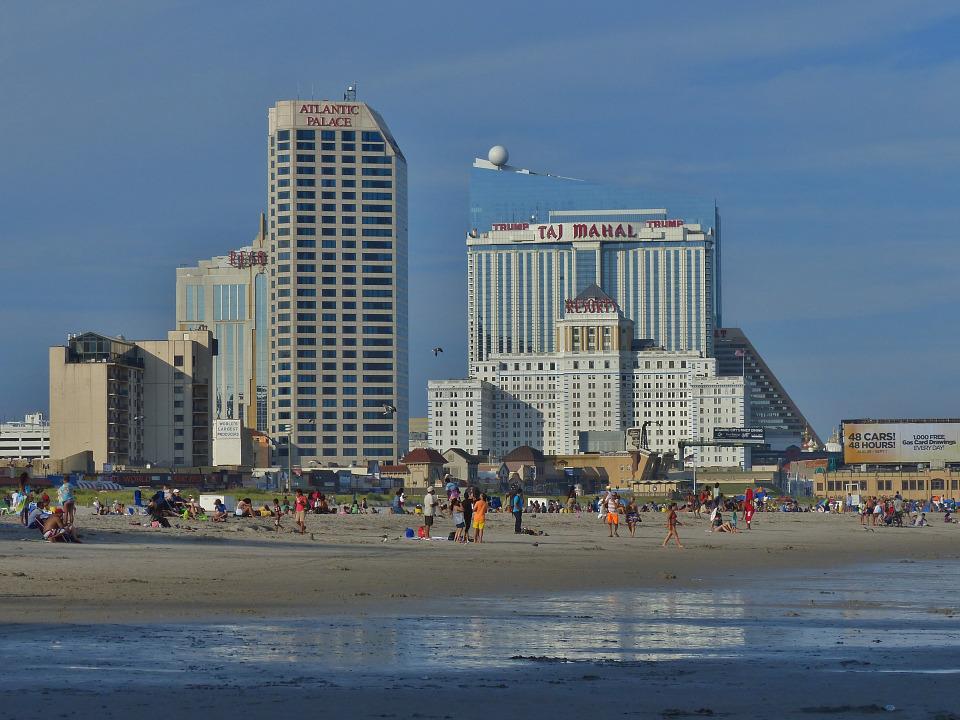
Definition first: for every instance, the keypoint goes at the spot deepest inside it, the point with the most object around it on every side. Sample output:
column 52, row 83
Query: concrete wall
column 78, row 407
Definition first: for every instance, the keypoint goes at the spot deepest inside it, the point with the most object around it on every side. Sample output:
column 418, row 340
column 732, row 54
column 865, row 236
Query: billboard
column 227, row 442
column 745, row 435
column 905, row 441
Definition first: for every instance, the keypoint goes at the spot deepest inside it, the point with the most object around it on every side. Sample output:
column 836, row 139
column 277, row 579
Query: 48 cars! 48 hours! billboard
column 882, row 442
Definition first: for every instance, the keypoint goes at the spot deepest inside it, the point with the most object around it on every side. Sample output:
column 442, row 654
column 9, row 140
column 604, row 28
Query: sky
column 133, row 140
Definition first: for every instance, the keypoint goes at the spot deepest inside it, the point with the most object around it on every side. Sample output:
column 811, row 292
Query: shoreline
column 125, row 574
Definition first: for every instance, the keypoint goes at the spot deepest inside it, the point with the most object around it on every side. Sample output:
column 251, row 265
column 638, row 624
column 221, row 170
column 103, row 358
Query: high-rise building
column 228, row 295
column 599, row 380
column 537, row 241
column 337, row 199
column 771, row 407
column 132, row 402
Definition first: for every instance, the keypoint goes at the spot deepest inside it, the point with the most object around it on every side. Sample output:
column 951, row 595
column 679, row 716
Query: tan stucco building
column 132, row 402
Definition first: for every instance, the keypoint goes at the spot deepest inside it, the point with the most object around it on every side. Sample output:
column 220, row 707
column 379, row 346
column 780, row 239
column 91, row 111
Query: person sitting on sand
column 219, row 511
column 723, row 526
column 37, row 516
column 155, row 509
column 177, row 502
column 244, row 508
column 55, row 528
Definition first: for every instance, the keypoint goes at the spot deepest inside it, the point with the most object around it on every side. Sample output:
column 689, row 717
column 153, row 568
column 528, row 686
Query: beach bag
column 421, row 533
column 408, row 533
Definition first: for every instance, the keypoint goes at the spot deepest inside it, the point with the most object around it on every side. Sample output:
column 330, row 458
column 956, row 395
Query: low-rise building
column 132, row 403
column 461, row 465
column 912, row 485
column 27, row 440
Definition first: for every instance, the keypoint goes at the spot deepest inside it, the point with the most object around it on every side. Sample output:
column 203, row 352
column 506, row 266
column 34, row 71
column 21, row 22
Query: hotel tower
column 337, row 199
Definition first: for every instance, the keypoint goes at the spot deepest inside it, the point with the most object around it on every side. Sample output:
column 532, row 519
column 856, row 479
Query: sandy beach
column 245, row 569
column 805, row 616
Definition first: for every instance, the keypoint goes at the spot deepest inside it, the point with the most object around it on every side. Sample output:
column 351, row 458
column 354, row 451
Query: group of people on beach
column 468, row 510
column 55, row 523
column 610, row 507
column 895, row 512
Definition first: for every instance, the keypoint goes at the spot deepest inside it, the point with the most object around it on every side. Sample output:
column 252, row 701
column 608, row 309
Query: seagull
column 389, row 409
column 437, row 351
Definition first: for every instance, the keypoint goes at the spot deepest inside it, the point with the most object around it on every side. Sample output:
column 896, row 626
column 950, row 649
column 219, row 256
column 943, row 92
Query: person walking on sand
column 612, row 506
column 480, row 517
column 429, row 510
column 516, row 507
column 672, row 524
column 748, row 507
column 633, row 516
column 300, row 511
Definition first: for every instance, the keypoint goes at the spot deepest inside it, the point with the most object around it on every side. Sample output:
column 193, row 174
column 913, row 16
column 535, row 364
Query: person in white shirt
column 429, row 511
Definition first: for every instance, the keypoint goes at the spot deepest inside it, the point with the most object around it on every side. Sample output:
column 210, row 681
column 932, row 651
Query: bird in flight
column 437, row 351
column 389, row 409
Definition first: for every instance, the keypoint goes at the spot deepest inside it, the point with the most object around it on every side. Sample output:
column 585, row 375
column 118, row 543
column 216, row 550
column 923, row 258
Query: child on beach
column 277, row 514
column 300, row 510
column 456, row 509
column 67, row 501
column 480, row 517
column 672, row 524
column 633, row 517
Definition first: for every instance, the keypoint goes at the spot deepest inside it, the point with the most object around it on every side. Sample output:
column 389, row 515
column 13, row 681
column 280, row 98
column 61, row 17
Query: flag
column 740, row 353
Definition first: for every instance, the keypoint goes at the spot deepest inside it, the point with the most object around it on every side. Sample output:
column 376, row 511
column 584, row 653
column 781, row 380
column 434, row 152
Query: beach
column 237, row 620
column 244, row 568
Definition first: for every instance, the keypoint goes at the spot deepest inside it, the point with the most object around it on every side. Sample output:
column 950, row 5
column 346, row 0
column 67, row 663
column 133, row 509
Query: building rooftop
column 525, row 453
column 423, row 455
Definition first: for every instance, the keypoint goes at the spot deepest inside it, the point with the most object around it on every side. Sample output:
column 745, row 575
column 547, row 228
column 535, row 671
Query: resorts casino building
column 539, row 246
column 536, row 241
column 337, row 199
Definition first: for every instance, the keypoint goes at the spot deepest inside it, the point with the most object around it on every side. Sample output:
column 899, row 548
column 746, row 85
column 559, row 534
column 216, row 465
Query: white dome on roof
column 498, row 155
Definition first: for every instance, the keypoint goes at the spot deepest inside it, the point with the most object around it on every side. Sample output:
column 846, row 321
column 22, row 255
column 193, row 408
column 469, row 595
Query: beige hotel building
column 337, row 223
column 132, row 402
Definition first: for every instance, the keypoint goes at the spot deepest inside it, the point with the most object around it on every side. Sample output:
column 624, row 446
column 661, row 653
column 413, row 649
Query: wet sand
column 792, row 644
column 244, row 569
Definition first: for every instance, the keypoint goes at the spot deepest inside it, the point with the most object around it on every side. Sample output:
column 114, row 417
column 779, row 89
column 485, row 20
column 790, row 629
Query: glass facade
column 669, row 288
column 262, row 347
column 230, row 298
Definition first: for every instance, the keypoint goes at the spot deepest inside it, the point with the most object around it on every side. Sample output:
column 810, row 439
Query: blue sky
column 133, row 140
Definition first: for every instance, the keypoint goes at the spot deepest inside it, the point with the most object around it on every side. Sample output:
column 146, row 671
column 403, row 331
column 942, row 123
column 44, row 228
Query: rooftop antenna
column 351, row 93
